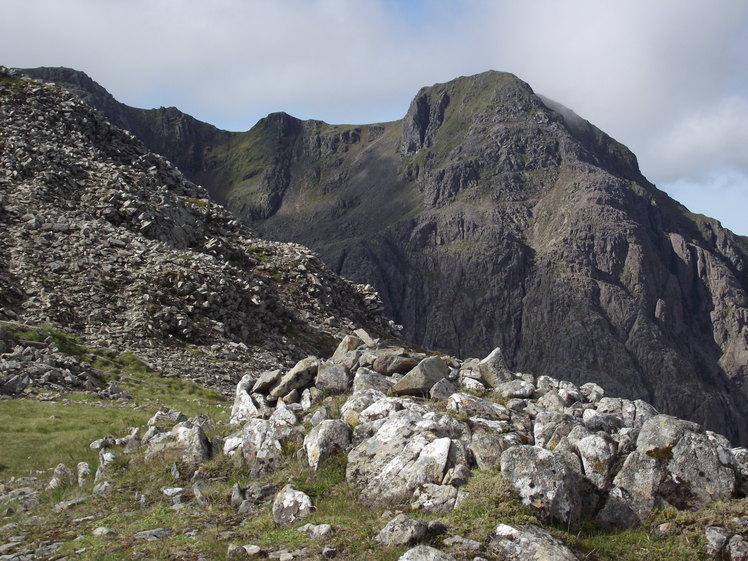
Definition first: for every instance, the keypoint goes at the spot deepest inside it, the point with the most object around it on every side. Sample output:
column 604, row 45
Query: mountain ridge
column 486, row 217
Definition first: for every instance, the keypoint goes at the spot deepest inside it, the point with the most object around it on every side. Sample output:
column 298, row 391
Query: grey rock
column 61, row 477
column 366, row 379
column 349, row 343
column 737, row 549
column 166, row 417
column 420, row 379
column 104, row 531
column 716, row 539
column 291, row 505
column 544, row 482
column 443, row 389
column 152, row 535
column 267, row 380
column 493, row 369
column 325, row 440
column 425, row 553
column 634, row 494
column 405, row 452
column 696, row 470
column 300, row 376
column 402, row 530
column 476, row 407
column 244, row 407
column 434, row 499
column 332, row 378
column 515, row 388
column 527, row 543
column 316, row 531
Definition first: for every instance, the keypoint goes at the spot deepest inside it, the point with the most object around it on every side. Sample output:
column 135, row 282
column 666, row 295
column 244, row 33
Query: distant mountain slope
column 490, row 216
column 110, row 242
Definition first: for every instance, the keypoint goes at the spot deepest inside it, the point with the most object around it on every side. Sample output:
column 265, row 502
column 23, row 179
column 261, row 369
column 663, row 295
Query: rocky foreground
column 412, row 430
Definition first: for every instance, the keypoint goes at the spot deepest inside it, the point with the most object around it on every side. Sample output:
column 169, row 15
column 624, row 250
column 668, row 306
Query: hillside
column 491, row 216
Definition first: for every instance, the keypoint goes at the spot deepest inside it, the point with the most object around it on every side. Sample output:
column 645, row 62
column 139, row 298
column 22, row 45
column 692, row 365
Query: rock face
column 491, row 216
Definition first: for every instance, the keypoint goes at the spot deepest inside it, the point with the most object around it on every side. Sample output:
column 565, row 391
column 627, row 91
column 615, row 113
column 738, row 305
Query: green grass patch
column 38, row 435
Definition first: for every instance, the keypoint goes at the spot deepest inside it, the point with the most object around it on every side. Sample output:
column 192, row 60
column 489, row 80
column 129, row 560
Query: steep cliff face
column 491, row 216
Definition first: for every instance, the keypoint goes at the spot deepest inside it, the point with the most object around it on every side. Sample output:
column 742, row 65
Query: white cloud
column 713, row 137
column 668, row 78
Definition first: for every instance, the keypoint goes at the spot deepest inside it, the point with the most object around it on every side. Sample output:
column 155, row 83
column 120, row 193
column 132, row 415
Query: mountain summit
column 492, row 216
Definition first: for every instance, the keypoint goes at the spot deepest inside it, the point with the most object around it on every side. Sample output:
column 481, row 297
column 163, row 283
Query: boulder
column 527, row 543
column 290, row 506
column 349, row 343
column 515, row 388
column 262, row 449
column 332, row 378
column 61, row 477
column 442, row 389
column 421, row 378
column 185, row 442
column 402, row 530
column 472, row 406
column 166, row 417
column 357, row 402
column 544, row 482
column 300, row 376
column 716, row 539
column 696, row 469
column 367, row 379
column 244, row 407
column 326, row 439
column 493, row 369
column 405, row 452
column 267, row 380
column 634, row 494
column 598, row 454
column 392, row 361
column 487, row 446
column 435, row 499
column 425, row 553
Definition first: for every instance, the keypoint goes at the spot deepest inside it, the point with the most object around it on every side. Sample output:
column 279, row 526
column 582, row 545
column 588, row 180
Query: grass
column 38, row 435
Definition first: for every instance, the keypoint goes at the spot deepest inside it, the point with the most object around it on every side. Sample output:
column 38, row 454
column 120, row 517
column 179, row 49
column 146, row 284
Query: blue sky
column 668, row 78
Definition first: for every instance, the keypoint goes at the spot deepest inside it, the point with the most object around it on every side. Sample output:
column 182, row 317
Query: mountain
column 492, row 216
column 127, row 293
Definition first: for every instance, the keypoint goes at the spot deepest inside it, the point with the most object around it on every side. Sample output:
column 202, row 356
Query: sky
column 668, row 78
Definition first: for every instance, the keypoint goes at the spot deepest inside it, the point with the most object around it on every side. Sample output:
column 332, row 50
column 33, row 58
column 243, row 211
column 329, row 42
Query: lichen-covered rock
column 696, row 470
column 425, row 553
column 402, row 530
column 406, row 451
column 290, row 506
column 367, row 379
column 634, row 493
column 332, row 378
column 476, row 407
column 544, row 482
column 493, row 369
column 300, row 376
column 185, row 442
column 326, row 439
column 527, row 543
column 435, row 499
column 244, row 407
